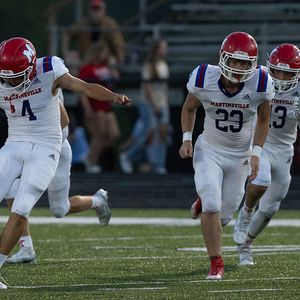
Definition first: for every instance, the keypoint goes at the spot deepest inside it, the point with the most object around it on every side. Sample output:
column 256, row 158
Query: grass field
column 144, row 262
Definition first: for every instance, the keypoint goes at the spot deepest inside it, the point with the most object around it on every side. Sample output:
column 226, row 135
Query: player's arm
column 91, row 90
column 260, row 135
column 188, row 116
column 64, row 118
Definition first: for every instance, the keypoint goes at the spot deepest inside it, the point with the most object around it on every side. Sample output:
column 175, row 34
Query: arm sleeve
column 270, row 92
column 59, row 67
column 191, row 82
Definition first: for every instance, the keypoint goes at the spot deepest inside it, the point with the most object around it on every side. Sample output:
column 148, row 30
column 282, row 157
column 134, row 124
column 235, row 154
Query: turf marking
column 246, row 290
column 141, row 221
column 264, row 248
column 114, row 286
column 197, row 256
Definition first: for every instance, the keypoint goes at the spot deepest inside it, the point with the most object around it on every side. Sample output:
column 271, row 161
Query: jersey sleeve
column 191, row 82
column 197, row 79
column 270, row 91
column 59, row 67
column 265, row 84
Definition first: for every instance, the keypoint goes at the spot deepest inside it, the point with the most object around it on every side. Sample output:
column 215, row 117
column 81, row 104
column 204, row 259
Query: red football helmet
column 241, row 46
column 286, row 58
column 17, row 61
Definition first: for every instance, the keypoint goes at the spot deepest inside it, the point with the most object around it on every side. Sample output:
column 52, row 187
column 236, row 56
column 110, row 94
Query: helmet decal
column 29, row 53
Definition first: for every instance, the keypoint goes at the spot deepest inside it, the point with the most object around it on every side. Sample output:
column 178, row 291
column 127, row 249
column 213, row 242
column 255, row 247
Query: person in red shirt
column 100, row 118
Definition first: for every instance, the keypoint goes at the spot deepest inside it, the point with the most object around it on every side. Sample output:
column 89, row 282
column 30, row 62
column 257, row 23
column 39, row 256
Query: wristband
column 256, row 151
column 187, row 136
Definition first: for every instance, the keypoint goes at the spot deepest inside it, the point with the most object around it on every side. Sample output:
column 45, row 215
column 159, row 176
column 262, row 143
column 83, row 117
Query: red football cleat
column 196, row 208
column 216, row 271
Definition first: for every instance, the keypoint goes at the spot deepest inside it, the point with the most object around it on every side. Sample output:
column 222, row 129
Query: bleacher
column 196, row 29
column 174, row 190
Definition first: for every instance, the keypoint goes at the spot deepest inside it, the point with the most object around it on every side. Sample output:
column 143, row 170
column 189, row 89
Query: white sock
column 259, row 221
column 95, row 202
column 2, row 259
column 25, row 242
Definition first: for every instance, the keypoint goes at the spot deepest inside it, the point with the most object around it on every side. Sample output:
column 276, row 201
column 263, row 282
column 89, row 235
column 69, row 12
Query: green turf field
column 144, row 262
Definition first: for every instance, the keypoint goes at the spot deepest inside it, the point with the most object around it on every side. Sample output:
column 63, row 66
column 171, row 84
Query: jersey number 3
column 26, row 108
column 235, row 116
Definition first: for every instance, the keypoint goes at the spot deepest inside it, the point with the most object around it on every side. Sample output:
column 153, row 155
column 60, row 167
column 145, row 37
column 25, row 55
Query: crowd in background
column 93, row 48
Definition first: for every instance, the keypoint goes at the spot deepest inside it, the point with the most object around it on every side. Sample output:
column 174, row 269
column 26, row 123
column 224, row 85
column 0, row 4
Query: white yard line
column 133, row 289
column 95, row 285
column 198, row 256
column 264, row 248
column 246, row 290
column 142, row 221
column 156, row 237
column 116, row 285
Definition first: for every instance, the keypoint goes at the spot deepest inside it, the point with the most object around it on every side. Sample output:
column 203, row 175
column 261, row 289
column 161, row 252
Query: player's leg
column 255, row 190
column 270, row 201
column 233, row 187
column 10, row 166
column 196, row 208
column 37, row 172
column 58, row 192
column 208, row 181
column 26, row 252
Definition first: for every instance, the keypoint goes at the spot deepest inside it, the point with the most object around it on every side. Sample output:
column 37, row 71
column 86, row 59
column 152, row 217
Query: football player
column 29, row 97
column 231, row 93
column 60, row 204
column 272, row 183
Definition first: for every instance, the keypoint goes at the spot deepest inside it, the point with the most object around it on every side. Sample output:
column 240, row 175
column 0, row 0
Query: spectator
column 100, row 119
column 133, row 150
column 155, row 75
column 93, row 28
column 78, row 142
column 153, row 114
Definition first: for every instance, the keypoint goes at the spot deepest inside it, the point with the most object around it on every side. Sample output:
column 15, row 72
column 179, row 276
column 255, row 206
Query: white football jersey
column 229, row 117
column 65, row 130
column 34, row 116
column 283, row 124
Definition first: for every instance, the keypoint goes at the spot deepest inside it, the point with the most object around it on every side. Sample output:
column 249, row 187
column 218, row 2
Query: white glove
column 297, row 108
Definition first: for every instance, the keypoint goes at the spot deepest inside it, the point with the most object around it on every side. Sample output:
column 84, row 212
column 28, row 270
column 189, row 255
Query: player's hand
column 254, row 164
column 186, row 149
column 297, row 107
column 122, row 100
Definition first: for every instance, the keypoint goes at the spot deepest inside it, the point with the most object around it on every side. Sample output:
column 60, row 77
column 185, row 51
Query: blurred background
column 192, row 32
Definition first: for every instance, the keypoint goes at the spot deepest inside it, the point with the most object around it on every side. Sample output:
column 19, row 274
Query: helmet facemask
column 280, row 84
column 21, row 87
column 17, row 65
column 233, row 74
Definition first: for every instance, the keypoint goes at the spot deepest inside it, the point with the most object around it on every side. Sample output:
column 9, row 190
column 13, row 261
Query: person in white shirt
column 272, row 183
column 231, row 93
column 29, row 97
